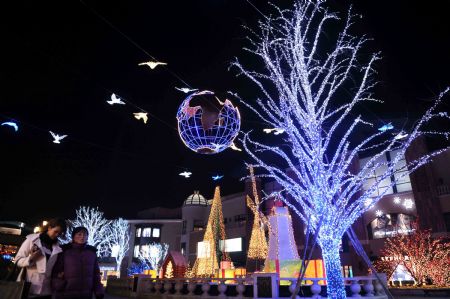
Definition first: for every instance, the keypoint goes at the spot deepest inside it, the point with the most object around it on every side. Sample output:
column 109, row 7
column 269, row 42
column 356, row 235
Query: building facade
column 425, row 195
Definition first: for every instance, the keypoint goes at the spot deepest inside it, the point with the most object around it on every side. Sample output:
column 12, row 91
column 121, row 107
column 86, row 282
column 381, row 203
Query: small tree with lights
column 422, row 255
column 157, row 254
column 311, row 83
column 257, row 248
column 119, row 239
column 169, row 270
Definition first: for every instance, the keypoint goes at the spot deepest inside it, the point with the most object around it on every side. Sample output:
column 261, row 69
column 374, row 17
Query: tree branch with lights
column 98, row 228
column 305, row 82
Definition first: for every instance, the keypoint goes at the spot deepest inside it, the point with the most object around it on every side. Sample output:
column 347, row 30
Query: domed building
column 194, row 215
column 195, row 199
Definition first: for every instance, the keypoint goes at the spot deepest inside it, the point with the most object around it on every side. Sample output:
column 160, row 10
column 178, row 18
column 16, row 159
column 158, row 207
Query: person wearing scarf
column 37, row 256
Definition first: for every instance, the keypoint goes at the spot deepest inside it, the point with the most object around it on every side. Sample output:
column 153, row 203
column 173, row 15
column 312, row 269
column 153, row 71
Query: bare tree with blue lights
column 311, row 85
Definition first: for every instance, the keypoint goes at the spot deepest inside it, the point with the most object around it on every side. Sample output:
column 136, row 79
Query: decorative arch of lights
column 214, row 139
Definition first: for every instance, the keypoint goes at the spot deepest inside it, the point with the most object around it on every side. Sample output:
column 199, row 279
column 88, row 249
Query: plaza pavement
column 396, row 297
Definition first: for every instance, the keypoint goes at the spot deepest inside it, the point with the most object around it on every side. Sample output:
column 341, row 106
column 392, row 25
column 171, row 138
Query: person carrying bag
column 9, row 287
column 36, row 257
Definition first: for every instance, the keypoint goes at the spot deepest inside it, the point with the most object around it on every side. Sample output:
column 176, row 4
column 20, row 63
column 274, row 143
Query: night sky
column 61, row 61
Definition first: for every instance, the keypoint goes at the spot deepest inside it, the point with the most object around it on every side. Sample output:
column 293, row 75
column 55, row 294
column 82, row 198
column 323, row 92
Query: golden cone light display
column 209, row 254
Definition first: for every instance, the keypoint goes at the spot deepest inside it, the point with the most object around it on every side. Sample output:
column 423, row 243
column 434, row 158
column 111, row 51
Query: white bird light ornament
column 115, row 100
column 57, row 138
column 152, row 64
column 186, row 174
column 277, row 131
column 185, row 89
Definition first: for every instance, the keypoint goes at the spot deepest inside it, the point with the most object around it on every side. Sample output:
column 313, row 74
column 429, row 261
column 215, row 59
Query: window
column 147, row 232
column 145, row 250
column 198, row 225
column 399, row 176
column 203, row 249
column 183, row 229
column 447, row 221
column 156, row 232
column 231, row 245
column 138, row 232
column 347, row 271
column 136, row 251
column 240, row 218
column 403, row 182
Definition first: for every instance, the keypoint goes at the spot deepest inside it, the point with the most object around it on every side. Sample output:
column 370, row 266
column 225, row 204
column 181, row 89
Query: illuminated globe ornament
column 205, row 124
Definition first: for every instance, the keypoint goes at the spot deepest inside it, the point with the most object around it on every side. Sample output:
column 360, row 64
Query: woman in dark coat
column 76, row 274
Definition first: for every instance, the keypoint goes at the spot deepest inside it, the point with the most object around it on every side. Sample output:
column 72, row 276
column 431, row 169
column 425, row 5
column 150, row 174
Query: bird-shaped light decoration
column 115, row 100
column 57, row 138
column 11, row 124
column 186, row 174
column 400, row 136
column 152, row 64
column 277, row 131
column 141, row 115
column 217, row 177
column 235, row 148
column 386, row 127
column 185, row 89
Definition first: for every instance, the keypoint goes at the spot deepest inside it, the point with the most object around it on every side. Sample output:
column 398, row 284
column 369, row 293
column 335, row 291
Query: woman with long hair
column 37, row 256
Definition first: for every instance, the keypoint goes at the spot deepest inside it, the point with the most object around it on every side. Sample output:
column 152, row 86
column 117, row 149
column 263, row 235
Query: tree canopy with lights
column 311, row 83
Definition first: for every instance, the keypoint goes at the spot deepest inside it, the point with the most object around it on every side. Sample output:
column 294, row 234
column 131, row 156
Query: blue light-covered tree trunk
column 333, row 269
column 310, row 84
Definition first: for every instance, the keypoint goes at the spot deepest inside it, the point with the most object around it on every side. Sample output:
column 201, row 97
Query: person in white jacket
column 37, row 255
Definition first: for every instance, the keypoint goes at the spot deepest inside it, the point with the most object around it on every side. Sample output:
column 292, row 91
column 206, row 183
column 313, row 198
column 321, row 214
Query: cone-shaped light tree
column 257, row 247
column 311, row 84
column 210, row 255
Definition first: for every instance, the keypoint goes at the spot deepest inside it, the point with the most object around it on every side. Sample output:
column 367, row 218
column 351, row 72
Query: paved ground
column 396, row 297
column 114, row 297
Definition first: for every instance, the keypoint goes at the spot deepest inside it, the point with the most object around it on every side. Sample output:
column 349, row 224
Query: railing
column 443, row 189
column 367, row 286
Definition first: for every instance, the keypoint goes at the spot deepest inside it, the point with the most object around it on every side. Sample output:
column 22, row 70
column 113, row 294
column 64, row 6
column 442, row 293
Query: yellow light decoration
column 257, row 248
column 235, row 148
column 169, row 270
column 141, row 115
column 207, row 264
